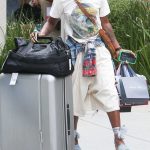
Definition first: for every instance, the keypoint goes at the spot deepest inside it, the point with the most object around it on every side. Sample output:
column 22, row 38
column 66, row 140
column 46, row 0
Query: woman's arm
column 46, row 29
column 48, row 26
column 109, row 31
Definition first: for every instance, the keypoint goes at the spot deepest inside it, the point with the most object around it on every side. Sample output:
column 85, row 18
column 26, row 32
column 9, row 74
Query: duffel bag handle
column 40, row 38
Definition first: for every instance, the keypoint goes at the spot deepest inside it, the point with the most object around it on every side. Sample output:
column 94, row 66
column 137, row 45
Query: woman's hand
column 34, row 36
column 128, row 55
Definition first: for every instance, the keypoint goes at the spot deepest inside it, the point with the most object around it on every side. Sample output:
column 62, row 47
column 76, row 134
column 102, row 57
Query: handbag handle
column 132, row 71
column 126, row 70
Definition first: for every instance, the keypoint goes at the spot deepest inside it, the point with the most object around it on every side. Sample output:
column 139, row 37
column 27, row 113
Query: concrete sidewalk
column 96, row 133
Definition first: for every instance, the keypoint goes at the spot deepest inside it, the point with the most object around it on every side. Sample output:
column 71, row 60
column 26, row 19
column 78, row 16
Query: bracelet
column 117, row 49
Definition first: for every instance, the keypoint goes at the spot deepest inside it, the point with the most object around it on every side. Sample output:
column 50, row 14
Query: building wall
column 12, row 5
column 44, row 8
column 2, row 22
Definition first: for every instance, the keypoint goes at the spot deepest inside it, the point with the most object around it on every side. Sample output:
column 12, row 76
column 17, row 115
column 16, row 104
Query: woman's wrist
column 118, row 48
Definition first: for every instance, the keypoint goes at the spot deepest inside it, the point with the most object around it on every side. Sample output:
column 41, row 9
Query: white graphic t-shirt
column 73, row 21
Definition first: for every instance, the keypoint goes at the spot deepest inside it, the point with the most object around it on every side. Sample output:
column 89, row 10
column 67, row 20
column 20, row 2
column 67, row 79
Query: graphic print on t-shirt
column 81, row 25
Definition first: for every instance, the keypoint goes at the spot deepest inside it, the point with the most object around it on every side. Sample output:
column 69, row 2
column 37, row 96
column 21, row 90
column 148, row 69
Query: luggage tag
column 70, row 66
column 13, row 79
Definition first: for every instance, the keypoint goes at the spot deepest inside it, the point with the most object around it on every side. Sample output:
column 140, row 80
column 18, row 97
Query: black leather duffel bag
column 52, row 58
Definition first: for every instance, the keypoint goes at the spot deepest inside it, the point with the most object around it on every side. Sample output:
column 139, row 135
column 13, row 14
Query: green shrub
column 131, row 22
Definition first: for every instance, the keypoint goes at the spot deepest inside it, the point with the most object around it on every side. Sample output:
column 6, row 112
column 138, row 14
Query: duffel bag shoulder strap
column 85, row 12
column 102, row 33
